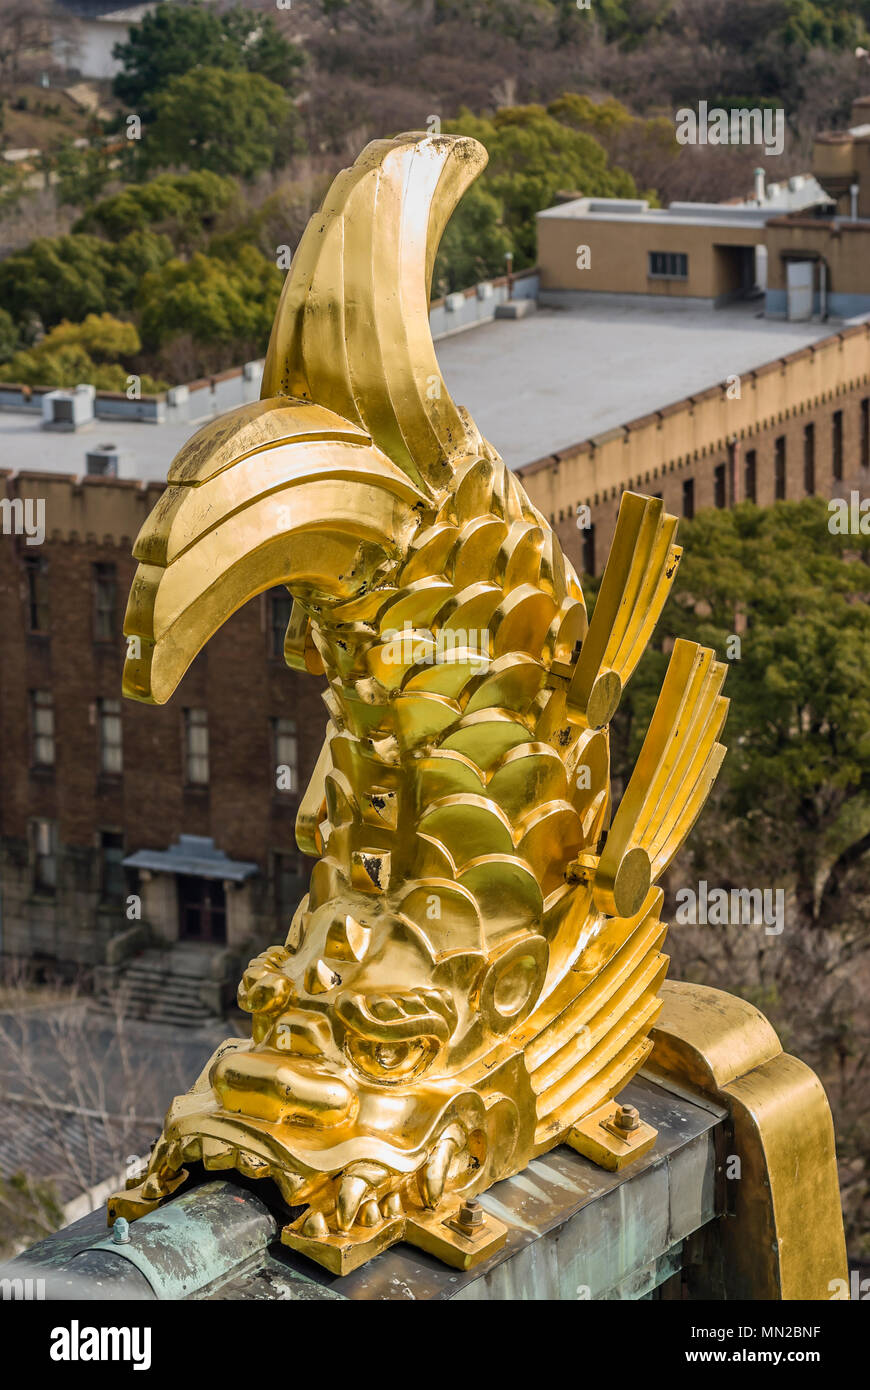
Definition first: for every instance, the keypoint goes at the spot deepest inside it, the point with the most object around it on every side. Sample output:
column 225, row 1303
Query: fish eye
column 390, row 1062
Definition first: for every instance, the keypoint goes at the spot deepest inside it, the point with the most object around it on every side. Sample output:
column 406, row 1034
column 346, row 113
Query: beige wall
column 619, row 255
column 95, row 510
column 839, row 160
column 845, row 248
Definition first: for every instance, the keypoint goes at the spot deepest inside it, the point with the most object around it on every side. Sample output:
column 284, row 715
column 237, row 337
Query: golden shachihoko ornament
column 475, row 972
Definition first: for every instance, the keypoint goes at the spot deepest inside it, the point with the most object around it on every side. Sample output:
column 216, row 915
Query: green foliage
column 798, row 731
column 69, row 277
column 229, row 122
column 9, row 336
column 532, row 155
column 263, row 48
column 81, row 174
column 220, row 303
column 12, row 185
column 803, row 23
column 474, row 244
column 176, row 38
column 182, row 206
column 75, row 352
column 582, row 113
column 629, row 22
column 214, row 300
column 280, row 220
column 823, row 24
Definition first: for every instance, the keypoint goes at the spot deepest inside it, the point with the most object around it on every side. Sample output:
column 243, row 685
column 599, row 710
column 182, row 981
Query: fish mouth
column 433, row 1145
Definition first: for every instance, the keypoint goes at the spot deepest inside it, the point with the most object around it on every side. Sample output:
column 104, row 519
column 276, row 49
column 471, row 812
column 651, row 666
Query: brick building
column 88, row 780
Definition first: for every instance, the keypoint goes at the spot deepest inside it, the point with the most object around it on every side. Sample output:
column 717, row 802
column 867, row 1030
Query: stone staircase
column 163, row 987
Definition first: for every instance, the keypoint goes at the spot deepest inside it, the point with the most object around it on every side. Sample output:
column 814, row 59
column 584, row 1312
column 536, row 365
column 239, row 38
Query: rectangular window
column 719, row 496
column 837, row 444
column 42, row 727
column 689, row 498
column 588, row 561
column 36, row 576
column 865, row 433
column 196, row 747
column 110, row 737
column 285, row 752
column 668, row 265
column 749, row 483
column 779, row 468
column 809, row 459
column 289, row 885
column 44, row 849
column 105, row 603
column 113, row 883
column 280, row 604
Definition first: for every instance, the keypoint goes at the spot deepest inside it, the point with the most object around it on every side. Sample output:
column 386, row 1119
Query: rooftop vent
column 68, row 410
column 103, row 461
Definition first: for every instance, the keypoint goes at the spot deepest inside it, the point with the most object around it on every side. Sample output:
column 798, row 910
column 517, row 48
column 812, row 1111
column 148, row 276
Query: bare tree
column 83, row 1098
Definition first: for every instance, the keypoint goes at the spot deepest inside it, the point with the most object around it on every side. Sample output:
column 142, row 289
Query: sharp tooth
column 392, row 1205
column 315, row 1227
column 435, row 1173
column 152, row 1188
column 348, row 940
column 350, row 1196
column 369, row 1214
column 252, row 1166
column 320, row 979
column 191, row 1149
column 158, row 1155
column 172, row 1160
column 289, row 1184
column 217, row 1154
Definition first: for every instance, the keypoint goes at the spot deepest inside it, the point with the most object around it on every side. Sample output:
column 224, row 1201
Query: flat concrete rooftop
column 798, row 194
column 534, row 385
column 563, row 375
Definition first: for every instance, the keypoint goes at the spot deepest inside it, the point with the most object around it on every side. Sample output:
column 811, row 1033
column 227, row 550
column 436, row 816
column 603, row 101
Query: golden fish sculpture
column 475, row 971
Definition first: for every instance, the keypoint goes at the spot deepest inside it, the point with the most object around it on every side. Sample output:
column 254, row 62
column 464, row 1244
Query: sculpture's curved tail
column 352, row 328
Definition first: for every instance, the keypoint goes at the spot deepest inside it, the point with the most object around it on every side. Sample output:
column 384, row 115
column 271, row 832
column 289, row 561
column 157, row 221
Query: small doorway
column 202, row 909
column 734, row 269
column 799, row 280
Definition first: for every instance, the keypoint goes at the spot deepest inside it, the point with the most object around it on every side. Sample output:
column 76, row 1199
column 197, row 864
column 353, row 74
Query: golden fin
column 677, row 765
column 637, row 579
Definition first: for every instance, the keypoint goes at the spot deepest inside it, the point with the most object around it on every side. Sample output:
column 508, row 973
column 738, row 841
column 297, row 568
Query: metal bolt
column 470, row 1215
column 121, row 1231
column 626, row 1118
